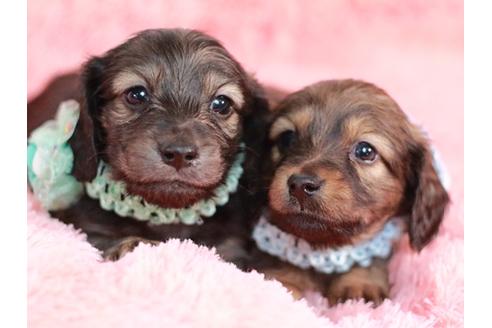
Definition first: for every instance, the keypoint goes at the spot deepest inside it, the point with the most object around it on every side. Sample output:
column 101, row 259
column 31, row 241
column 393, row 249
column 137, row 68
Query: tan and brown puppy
column 167, row 111
column 344, row 159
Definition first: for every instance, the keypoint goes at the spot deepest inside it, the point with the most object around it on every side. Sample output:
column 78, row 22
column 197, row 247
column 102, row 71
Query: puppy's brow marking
column 125, row 80
column 232, row 91
column 217, row 84
column 301, row 117
column 280, row 125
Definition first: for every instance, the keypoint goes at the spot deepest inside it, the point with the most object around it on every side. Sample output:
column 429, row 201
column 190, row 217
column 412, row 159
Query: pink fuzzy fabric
column 413, row 49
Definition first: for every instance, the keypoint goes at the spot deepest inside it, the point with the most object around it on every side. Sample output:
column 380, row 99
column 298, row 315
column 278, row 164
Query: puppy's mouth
column 174, row 185
column 171, row 194
column 160, row 185
column 318, row 231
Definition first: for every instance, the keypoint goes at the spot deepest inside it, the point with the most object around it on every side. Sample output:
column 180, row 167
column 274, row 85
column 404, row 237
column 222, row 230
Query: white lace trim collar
column 298, row 252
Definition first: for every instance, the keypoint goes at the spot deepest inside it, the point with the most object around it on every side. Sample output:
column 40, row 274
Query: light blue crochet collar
column 50, row 163
column 270, row 239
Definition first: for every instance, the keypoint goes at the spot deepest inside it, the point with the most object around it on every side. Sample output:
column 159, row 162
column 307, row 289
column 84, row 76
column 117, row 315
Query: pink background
column 413, row 49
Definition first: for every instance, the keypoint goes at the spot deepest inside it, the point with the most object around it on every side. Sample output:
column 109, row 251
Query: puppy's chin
column 170, row 194
column 316, row 230
column 169, row 191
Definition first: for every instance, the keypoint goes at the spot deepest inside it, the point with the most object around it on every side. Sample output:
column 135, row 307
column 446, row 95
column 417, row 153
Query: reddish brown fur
column 329, row 118
column 355, row 199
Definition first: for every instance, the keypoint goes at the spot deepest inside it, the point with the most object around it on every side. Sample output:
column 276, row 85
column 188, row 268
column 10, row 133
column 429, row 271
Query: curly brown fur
column 182, row 72
column 322, row 190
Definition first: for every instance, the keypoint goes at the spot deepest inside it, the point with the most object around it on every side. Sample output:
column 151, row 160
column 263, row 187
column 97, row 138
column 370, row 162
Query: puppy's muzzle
column 179, row 156
column 303, row 187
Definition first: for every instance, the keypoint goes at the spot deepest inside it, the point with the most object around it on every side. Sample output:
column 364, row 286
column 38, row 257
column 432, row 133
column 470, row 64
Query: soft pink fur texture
column 413, row 49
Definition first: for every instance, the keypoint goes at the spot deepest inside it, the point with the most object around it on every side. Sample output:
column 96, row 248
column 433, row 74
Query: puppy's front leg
column 370, row 284
column 124, row 246
column 296, row 280
column 233, row 250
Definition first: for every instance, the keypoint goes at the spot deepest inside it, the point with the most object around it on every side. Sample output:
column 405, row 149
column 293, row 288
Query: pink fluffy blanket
column 179, row 284
column 413, row 49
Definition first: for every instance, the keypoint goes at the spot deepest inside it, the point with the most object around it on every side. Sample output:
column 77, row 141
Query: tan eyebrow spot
column 139, row 75
column 301, row 117
column 382, row 144
column 280, row 125
column 216, row 84
column 353, row 127
column 298, row 120
column 232, row 91
column 363, row 128
column 125, row 80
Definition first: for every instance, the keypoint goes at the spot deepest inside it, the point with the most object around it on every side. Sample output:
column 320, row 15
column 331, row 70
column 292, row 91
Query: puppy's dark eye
column 285, row 140
column 365, row 152
column 221, row 105
column 137, row 95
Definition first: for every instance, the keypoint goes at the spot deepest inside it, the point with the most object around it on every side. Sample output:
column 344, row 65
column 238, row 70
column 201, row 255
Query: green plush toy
column 50, row 159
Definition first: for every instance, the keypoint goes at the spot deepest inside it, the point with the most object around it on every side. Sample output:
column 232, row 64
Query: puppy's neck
column 270, row 239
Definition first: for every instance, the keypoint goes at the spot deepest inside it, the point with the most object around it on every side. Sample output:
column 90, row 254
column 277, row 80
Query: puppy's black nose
column 303, row 186
column 179, row 156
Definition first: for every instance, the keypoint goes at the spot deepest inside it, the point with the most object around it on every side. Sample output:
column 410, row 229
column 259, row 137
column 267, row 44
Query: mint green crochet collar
column 113, row 196
column 50, row 163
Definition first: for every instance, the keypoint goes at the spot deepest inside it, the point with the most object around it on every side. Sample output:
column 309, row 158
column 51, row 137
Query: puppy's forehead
column 155, row 76
column 328, row 106
column 187, row 58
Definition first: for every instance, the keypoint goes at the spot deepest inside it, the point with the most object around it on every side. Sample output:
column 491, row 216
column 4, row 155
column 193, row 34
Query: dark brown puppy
column 344, row 159
column 167, row 111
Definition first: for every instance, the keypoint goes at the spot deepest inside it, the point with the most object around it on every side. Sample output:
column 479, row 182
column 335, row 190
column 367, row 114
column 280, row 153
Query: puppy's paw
column 294, row 290
column 342, row 292
column 370, row 284
column 125, row 246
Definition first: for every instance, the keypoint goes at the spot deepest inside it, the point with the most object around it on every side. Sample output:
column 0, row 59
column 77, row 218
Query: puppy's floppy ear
column 256, row 98
column 255, row 123
column 256, row 113
column 429, row 198
column 87, row 139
